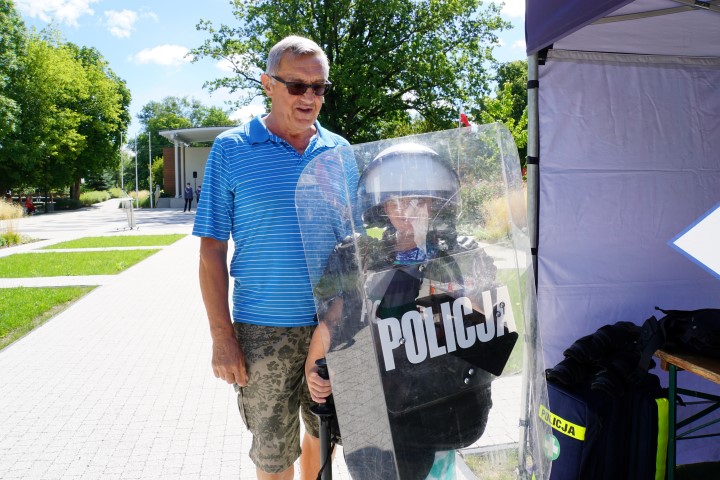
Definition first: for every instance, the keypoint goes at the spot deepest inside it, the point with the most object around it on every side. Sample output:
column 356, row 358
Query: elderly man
column 248, row 193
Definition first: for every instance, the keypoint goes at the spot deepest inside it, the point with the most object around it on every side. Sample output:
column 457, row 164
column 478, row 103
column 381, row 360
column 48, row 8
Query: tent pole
column 530, row 360
column 533, row 152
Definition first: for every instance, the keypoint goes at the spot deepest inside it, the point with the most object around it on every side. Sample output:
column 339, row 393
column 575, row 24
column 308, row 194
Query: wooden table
column 705, row 367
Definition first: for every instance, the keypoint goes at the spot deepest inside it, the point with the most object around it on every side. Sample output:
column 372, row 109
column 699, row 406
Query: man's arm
column 319, row 387
column 228, row 361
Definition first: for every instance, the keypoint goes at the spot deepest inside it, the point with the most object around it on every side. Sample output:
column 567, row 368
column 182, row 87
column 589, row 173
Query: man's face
column 295, row 114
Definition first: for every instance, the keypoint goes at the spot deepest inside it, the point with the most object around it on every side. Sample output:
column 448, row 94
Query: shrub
column 9, row 235
column 115, row 192
column 10, row 238
column 93, row 197
column 143, row 198
column 474, row 198
column 497, row 214
column 67, row 204
column 10, row 210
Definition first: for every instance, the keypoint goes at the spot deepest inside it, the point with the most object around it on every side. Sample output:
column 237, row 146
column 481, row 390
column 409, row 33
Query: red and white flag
column 464, row 120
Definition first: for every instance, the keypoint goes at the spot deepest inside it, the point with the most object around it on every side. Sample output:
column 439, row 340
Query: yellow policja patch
column 561, row 425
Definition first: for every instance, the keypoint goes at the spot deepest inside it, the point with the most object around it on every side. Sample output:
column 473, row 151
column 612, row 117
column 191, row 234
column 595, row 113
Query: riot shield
column 418, row 254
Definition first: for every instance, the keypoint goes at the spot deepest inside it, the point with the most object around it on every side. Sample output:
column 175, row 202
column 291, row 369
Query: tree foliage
column 387, row 57
column 67, row 109
column 171, row 113
column 12, row 48
column 104, row 113
column 48, row 140
column 508, row 104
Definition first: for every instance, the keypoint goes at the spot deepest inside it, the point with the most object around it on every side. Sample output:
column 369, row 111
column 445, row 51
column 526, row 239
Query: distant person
column 197, row 193
column 29, row 205
column 188, row 195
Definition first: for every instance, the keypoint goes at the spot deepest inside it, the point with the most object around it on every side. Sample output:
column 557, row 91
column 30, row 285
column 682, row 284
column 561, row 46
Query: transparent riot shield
column 418, row 253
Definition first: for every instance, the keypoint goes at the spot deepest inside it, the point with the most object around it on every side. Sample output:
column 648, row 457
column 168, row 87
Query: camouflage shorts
column 275, row 393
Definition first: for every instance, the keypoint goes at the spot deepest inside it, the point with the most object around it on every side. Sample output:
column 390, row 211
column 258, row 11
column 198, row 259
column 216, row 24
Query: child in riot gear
column 436, row 378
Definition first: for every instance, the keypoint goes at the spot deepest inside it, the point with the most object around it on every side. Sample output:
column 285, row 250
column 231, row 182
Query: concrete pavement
column 119, row 385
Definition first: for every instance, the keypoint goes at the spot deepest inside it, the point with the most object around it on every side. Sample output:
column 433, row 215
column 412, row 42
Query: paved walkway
column 119, row 385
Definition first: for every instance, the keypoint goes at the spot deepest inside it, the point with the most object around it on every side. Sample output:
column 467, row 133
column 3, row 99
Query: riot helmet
column 406, row 170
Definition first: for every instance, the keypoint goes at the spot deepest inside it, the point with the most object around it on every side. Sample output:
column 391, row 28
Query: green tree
column 47, row 141
column 387, row 57
column 12, row 51
column 171, row 113
column 105, row 114
column 215, row 117
column 157, row 172
column 508, row 104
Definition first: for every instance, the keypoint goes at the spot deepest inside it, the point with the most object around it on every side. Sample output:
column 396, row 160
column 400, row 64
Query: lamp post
column 150, row 168
column 122, row 178
column 137, row 195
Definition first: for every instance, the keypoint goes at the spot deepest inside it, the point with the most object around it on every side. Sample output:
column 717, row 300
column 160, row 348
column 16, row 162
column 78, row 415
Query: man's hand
column 319, row 388
column 228, row 360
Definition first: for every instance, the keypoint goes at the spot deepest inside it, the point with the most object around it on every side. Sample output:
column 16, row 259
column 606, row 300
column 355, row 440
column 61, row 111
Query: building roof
column 193, row 135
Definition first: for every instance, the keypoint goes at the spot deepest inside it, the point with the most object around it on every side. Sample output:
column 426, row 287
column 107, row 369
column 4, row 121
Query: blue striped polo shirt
column 249, row 193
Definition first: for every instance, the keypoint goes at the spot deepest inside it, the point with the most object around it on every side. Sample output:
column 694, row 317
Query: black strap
column 533, row 160
column 328, row 459
column 533, row 84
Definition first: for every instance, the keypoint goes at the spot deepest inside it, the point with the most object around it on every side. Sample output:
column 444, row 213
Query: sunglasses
column 299, row 88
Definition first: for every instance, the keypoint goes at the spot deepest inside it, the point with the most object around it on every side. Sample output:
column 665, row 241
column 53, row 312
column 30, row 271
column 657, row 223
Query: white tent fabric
column 666, row 32
column 628, row 115
column 620, row 178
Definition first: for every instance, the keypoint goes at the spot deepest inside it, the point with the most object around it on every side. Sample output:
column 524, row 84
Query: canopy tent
column 623, row 154
column 183, row 138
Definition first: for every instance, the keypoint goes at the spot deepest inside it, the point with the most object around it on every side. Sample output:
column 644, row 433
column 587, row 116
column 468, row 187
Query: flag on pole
column 464, row 120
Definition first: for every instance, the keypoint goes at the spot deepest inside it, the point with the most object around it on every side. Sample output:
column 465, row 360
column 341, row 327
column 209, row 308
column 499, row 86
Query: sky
column 146, row 42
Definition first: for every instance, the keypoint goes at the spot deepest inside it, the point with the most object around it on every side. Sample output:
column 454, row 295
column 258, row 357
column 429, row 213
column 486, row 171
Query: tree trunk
column 75, row 190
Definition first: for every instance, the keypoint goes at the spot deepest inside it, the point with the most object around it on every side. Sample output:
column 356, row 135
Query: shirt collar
column 257, row 132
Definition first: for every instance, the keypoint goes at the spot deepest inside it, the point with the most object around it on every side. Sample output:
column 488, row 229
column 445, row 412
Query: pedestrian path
column 119, row 385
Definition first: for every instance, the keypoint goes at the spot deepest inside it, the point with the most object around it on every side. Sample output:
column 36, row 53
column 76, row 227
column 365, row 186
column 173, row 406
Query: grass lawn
column 26, row 308
column 494, row 465
column 54, row 264
column 509, row 278
column 120, row 241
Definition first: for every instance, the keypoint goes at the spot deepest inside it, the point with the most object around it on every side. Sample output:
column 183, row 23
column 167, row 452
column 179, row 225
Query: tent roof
column 546, row 21
column 655, row 27
column 193, row 135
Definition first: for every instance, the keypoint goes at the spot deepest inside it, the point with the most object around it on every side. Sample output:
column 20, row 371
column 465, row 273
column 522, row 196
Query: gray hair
column 295, row 46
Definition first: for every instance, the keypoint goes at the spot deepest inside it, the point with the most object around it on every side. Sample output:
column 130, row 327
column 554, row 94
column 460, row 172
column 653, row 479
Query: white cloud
column 225, row 65
column 63, row 11
column 513, row 8
column 247, row 113
column 166, row 55
column 519, row 45
column 146, row 13
column 237, row 61
column 121, row 23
